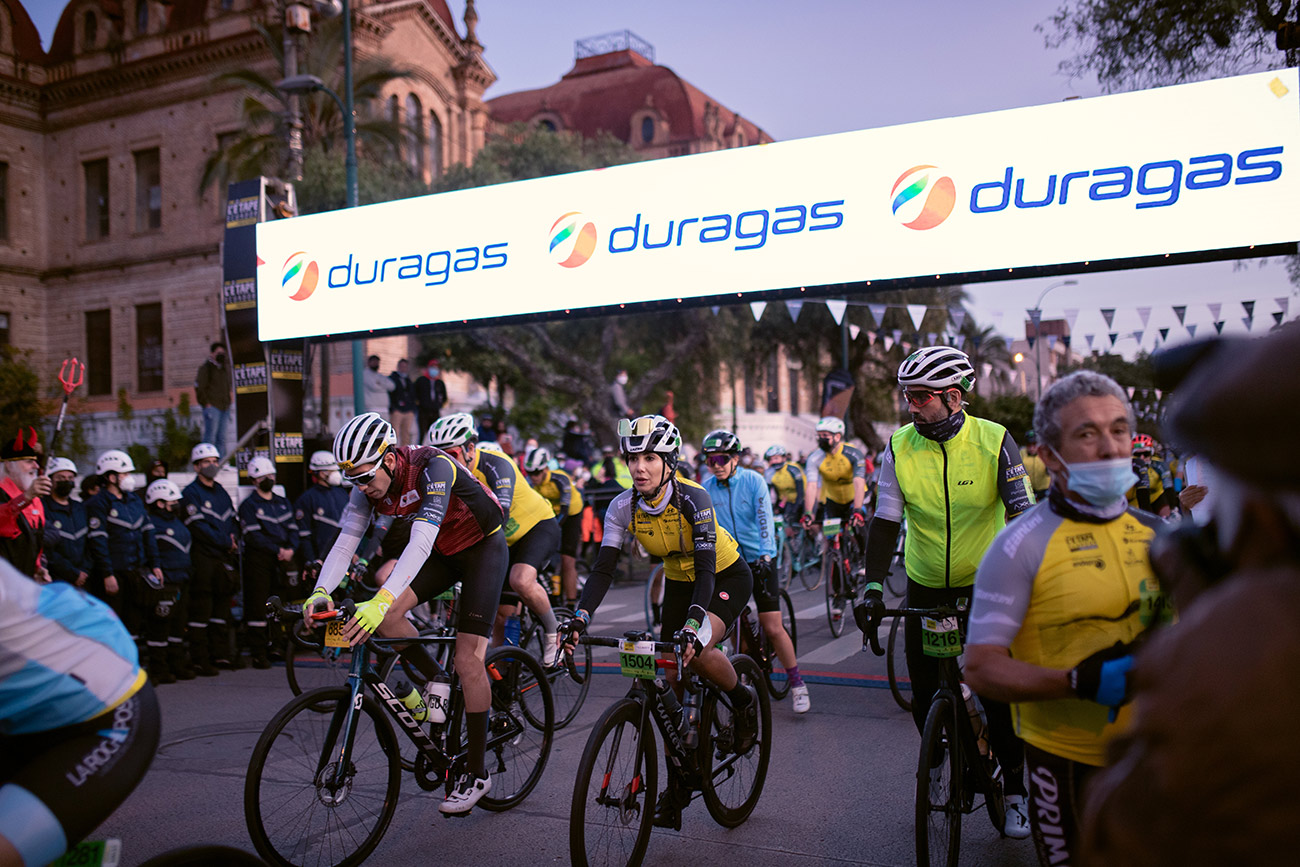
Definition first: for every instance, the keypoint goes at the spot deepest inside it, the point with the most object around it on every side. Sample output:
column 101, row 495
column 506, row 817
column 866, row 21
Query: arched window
column 393, row 115
column 141, row 17
column 414, row 134
column 435, row 146
column 547, row 124
column 89, row 30
column 647, row 129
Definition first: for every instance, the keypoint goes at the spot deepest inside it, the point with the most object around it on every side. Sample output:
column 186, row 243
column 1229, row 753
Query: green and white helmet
column 937, row 368
column 453, row 430
column 650, row 433
column 721, row 442
column 537, row 460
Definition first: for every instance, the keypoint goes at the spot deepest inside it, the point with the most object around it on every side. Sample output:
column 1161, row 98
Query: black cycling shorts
column 1056, row 804
column 731, row 589
column 767, row 589
column 534, row 548
column 571, row 535
column 480, row 569
column 832, row 509
column 79, row 773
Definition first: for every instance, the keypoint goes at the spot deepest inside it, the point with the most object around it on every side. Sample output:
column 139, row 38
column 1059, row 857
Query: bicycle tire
column 938, row 806
column 831, row 567
column 310, row 738
column 810, row 560
column 657, row 571
column 205, row 856
column 599, row 769
column 892, row 667
column 896, row 577
column 567, row 694
column 788, row 620
column 307, row 668
column 523, row 708
column 734, row 782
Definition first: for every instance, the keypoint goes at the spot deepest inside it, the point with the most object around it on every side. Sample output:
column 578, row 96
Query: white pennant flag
column 959, row 340
column 1131, row 390
column 958, row 317
column 758, row 307
column 795, row 308
column 1144, row 313
column 854, row 331
column 715, row 310
column 985, row 369
column 1282, row 303
column 1071, row 314
column 871, row 338
column 837, row 309
column 1051, row 341
column 917, row 312
column 889, row 343
column 878, row 313
column 1214, row 311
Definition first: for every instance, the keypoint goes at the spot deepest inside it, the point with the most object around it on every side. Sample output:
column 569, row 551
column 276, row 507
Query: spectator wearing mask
column 210, row 517
column 164, row 629
column 401, row 403
column 270, row 539
column 430, row 395
column 212, row 388
column 618, row 396
column 318, row 512
column 377, row 387
column 66, row 526
column 22, row 514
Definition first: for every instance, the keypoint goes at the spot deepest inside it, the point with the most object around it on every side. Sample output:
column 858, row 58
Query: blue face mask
column 1101, row 483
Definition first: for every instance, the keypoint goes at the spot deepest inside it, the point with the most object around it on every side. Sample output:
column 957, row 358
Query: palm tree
column 260, row 146
column 985, row 346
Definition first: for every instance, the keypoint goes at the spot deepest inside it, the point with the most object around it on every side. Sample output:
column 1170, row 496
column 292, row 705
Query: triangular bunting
column 1144, row 313
column 1138, row 336
column 1246, row 320
column 1071, row 315
column 1215, row 310
column 957, row 316
column 1282, row 302
column 758, row 307
column 1180, row 312
column 985, row 369
column 1065, row 341
column 854, row 331
column 1277, row 318
column 898, row 334
column 931, row 338
column 1218, row 327
column 1191, row 330
column 795, row 308
column 878, row 313
column 889, row 343
column 907, row 347
column 871, row 338
column 1090, row 338
column 1113, row 337
column 1131, row 390
column 1249, row 307
column 837, row 309
column 1164, row 333
column 715, row 310
column 1031, row 340
column 1035, row 315
column 1108, row 313
column 917, row 312
column 1051, row 341
column 959, row 340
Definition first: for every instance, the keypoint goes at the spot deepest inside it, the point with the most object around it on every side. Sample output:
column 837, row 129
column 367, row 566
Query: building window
column 99, row 352
column 4, row 329
column 794, row 391
column 414, row 135
column 546, row 124
column 773, row 380
column 149, row 346
column 751, row 377
column 148, row 190
column 4, row 201
column 435, row 146
column 647, row 129
column 141, row 17
column 96, row 172
column 89, row 30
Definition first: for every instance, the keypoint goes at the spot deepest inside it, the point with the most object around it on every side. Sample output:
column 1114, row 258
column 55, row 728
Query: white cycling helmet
column 363, row 440
column 163, row 489
column 204, row 450
column 537, row 460
column 260, row 466
column 491, row 446
column 114, row 461
column 453, row 430
column 774, row 451
column 59, row 465
column 830, row 424
column 322, row 462
column 937, row 367
column 650, row 433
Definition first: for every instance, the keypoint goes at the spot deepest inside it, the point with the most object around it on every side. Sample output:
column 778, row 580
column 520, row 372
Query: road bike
column 654, row 595
column 896, row 667
column 570, row 681
column 752, row 641
column 896, row 577
column 955, row 766
column 323, row 786
column 617, row 785
column 806, row 548
column 841, row 570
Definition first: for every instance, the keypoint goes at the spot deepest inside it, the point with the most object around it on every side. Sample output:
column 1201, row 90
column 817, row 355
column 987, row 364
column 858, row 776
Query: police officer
column 123, row 550
column 270, row 539
column 210, row 516
column 318, row 512
column 167, row 621
column 65, row 526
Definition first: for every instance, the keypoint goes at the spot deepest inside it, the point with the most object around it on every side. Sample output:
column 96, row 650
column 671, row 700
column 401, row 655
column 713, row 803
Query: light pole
column 311, row 84
column 1036, row 317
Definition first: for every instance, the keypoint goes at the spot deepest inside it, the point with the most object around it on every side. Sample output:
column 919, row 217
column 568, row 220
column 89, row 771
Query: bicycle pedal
column 456, row 815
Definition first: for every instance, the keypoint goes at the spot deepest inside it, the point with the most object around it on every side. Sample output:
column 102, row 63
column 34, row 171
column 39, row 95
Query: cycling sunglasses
column 919, row 399
column 717, row 460
column 362, row 478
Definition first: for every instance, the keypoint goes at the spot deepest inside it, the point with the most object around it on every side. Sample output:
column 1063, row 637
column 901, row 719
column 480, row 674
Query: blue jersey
column 174, row 544
column 319, row 512
column 744, row 510
column 210, row 515
column 66, row 536
column 120, row 536
column 64, row 656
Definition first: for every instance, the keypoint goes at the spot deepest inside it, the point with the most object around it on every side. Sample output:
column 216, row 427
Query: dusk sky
column 827, row 66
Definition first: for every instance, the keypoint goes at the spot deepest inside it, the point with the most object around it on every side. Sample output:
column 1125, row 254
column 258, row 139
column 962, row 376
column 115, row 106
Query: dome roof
column 27, row 40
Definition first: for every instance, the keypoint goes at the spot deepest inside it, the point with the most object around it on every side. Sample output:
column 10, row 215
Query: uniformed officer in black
column 318, row 512
column 66, row 528
column 165, row 627
column 270, row 540
column 209, row 513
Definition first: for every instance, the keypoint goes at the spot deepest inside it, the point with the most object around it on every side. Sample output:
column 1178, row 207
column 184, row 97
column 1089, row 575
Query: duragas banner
column 1179, row 170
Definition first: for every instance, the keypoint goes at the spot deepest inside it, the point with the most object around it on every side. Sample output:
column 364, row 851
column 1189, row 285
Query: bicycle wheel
column 833, row 570
column 809, row 560
column 567, row 694
column 896, row 578
column 938, row 788
column 520, row 727
column 653, row 597
column 734, row 781
column 788, row 621
column 295, row 815
column 614, row 795
column 896, row 667
column 784, row 560
column 308, row 668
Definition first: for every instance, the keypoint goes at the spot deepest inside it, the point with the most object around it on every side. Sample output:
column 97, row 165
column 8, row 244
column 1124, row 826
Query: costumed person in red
column 22, row 517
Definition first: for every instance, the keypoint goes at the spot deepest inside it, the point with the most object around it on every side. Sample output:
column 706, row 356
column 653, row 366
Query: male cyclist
column 837, row 477
column 452, row 525
column 958, row 479
column 708, row 582
column 786, row 479
column 557, row 487
column 1148, row 494
column 531, row 532
column 744, row 510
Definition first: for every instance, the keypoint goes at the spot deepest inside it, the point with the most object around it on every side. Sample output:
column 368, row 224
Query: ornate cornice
column 127, row 263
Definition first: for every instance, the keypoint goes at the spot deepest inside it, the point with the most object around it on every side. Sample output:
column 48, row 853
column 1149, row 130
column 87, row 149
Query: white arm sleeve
column 417, row 550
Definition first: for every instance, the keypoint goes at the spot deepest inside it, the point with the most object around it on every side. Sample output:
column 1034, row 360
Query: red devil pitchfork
column 72, row 373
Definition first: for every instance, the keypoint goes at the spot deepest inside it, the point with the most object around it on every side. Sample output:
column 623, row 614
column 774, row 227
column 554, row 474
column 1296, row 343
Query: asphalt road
column 839, row 789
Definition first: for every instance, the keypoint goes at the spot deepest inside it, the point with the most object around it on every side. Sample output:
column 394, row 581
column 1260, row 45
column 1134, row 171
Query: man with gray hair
column 1062, row 597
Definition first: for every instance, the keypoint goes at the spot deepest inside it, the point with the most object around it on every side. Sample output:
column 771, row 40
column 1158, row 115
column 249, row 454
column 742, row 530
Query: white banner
column 1205, row 166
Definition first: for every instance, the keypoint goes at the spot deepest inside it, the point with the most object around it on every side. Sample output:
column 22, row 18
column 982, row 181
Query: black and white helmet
column 650, row 433
column 363, row 440
column 452, row 430
column 537, row 460
column 721, row 441
column 774, row 451
column 937, row 367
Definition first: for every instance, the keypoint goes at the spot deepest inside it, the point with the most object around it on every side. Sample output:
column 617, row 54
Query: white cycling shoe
column 469, row 789
column 799, row 695
column 1017, row 824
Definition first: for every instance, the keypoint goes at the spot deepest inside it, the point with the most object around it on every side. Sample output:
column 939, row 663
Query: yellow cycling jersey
column 787, row 481
column 1039, row 478
column 836, row 472
column 560, row 491
column 524, row 507
column 671, row 532
column 1157, row 490
column 1055, row 587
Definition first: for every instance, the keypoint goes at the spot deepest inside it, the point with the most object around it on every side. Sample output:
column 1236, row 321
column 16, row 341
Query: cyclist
column 453, row 527
column 786, row 479
column 1059, row 600
column 566, row 499
column 837, row 478
column 744, row 510
column 958, row 479
column 1148, row 493
column 531, row 533
column 708, row 582
column 78, row 719
column 1039, row 480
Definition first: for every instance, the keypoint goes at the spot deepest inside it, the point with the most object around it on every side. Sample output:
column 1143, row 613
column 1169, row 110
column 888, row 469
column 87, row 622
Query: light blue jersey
column 744, row 509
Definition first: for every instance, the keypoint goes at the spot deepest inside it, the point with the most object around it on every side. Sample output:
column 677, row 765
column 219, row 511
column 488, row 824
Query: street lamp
column 311, row 84
column 1036, row 317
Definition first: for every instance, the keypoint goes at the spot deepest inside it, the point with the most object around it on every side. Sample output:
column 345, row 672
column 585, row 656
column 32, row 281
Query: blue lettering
column 798, row 221
column 836, row 217
column 1004, row 185
column 439, row 274
column 761, row 234
column 347, row 273
column 1124, row 184
column 720, row 232
column 383, row 268
column 1272, row 167
column 489, row 254
column 1046, row 200
column 1217, row 176
column 374, row 274
column 681, row 227
column 645, row 237
column 634, row 230
column 470, row 261
column 1065, row 183
column 1171, row 189
column 416, row 266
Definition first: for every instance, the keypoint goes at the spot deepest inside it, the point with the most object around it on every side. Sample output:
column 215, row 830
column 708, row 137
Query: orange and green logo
column 299, row 276
column 923, row 197
column 573, row 239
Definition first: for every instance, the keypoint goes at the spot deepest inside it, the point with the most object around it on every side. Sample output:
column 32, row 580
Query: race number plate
column 637, row 659
column 92, row 853
column 940, row 638
column 778, row 521
column 334, row 634
column 831, row 528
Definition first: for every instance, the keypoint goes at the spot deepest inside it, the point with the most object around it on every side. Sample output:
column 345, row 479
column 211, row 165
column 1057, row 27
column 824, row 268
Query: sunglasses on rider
column 919, row 398
column 717, row 460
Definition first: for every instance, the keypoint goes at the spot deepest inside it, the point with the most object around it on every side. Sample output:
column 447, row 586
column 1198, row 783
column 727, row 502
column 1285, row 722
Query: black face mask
column 266, row 485
column 63, row 490
column 164, row 509
column 941, row 431
column 219, row 358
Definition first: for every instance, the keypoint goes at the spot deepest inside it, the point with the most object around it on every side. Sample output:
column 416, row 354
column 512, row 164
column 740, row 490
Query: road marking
column 835, row 651
column 812, row 609
column 629, row 618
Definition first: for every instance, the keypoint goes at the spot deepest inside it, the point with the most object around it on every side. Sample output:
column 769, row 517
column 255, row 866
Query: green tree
column 1014, row 411
column 20, row 403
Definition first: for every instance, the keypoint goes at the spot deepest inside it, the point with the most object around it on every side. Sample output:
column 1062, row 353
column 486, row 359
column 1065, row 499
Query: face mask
column 220, row 358
column 334, row 479
column 210, row 472
column 266, row 485
column 125, row 483
column 63, row 490
column 621, row 379
column 433, row 372
column 941, row 431
column 1100, row 483
column 375, row 368
column 163, row 508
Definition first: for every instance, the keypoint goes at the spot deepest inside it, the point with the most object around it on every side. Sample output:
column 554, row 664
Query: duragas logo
column 922, row 197
column 298, row 276
column 747, row 230
column 431, row 268
column 573, row 240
